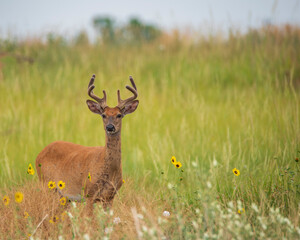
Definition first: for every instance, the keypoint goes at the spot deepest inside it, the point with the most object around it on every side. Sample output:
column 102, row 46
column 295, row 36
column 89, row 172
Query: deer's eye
column 103, row 115
column 119, row 115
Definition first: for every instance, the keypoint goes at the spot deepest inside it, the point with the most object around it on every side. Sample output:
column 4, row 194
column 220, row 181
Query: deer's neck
column 113, row 150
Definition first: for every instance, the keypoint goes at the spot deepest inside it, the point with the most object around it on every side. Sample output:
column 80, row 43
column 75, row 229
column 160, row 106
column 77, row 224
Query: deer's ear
column 130, row 107
column 94, row 107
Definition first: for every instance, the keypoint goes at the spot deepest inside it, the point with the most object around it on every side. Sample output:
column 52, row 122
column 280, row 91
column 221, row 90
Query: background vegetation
column 214, row 103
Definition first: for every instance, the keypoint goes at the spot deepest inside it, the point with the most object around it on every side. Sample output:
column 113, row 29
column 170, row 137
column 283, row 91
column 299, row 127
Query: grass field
column 214, row 104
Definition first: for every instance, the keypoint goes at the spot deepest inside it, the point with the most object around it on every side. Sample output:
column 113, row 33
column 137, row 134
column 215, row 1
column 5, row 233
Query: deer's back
column 66, row 161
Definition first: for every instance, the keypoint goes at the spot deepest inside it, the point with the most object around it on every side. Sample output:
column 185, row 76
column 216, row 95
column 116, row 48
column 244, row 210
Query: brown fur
column 72, row 163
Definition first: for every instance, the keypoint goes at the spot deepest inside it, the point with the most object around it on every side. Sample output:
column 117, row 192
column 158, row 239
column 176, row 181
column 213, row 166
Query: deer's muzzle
column 110, row 128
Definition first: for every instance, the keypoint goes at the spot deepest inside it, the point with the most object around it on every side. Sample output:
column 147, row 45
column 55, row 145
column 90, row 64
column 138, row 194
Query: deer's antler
column 122, row 103
column 101, row 101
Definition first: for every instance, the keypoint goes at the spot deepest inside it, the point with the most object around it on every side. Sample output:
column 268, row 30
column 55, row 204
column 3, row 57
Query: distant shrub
column 133, row 32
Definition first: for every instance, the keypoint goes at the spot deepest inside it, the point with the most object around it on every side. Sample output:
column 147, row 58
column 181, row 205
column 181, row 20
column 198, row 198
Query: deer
column 90, row 173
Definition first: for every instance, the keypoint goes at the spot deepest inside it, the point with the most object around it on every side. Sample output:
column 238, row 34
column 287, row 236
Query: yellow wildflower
column 173, row 160
column 19, row 197
column 30, row 169
column 6, row 200
column 30, row 166
column 123, row 181
column 178, row 165
column 26, row 215
column 236, row 172
column 31, row 172
column 90, row 177
column 51, row 184
column 61, row 184
column 241, row 211
column 53, row 220
column 63, row 201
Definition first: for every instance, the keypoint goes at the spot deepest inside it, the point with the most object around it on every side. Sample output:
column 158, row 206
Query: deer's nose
column 110, row 128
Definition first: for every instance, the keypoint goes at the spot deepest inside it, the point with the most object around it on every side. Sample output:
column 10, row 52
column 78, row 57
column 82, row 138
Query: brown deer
column 94, row 173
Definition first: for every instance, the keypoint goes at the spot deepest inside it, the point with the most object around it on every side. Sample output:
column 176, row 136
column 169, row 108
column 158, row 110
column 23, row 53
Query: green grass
column 235, row 101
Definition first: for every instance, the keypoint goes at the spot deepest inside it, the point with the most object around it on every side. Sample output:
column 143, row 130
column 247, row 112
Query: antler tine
column 121, row 103
column 92, row 80
column 132, row 82
column 91, row 86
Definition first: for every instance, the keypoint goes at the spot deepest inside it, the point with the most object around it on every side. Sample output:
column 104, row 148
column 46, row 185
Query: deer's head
column 112, row 117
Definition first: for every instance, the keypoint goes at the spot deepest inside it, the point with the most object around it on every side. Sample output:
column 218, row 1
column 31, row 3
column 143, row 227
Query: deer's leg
column 108, row 198
column 92, row 197
column 107, row 204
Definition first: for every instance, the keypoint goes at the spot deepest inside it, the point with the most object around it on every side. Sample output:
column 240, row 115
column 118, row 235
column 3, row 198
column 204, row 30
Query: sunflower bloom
column 241, row 211
column 19, row 197
column 236, row 172
column 30, row 169
column 26, row 215
column 173, row 160
column 53, row 220
column 6, row 200
column 31, row 172
column 51, row 184
column 63, row 201
column 178, row 165
column 61, row 184
column 90, row 177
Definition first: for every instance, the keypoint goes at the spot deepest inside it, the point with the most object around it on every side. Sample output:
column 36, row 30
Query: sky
column 34, row 18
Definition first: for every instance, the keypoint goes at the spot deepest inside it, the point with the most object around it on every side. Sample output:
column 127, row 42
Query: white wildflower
column 237, row 223
column 205, row 236
column 208, row 183
column 248, row 227
column 298, row 231
column 170, row 185
column 196, row 226
column 145, row 229
column 140, row 234
column 195, row 164
column 254, row 207
column 287, row 221
column 108, row 230
column 74, row 204
column 86, row 237
column 70, row 215
column 215, row 162
column 116, row 220
column 166, row 214
column 111, row 212
column 140, row 216
column 152, row 231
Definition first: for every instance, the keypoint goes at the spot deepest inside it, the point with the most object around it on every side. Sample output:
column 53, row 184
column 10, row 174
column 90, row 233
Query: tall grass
column 214, row 104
